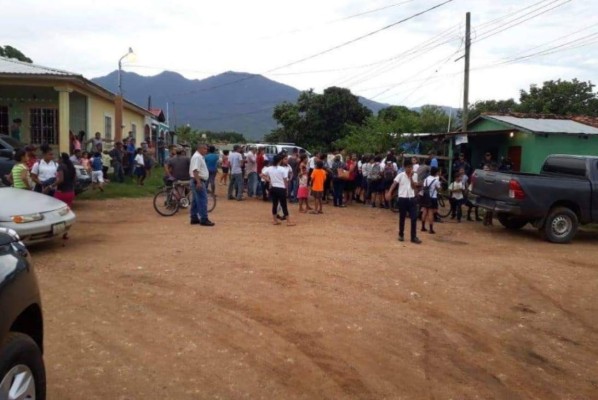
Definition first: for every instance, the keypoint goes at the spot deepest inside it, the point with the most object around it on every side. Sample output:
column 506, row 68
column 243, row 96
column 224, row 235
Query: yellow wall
column 99, row 108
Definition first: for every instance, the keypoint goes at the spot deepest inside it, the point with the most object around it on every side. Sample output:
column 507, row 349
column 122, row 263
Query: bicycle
column 444, row 205
column 170, row 198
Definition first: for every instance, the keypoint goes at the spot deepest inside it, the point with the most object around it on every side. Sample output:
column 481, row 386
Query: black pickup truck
column 559, row 199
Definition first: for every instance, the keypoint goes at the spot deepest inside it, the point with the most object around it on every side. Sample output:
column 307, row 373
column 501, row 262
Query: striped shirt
column 17, row 179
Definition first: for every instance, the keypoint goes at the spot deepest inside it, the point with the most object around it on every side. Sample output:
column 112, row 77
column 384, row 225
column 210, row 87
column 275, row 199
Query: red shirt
column 351, row 167
column 30, row 162
column 260, row 161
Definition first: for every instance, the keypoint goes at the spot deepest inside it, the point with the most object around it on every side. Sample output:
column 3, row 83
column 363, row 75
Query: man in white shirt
column 407, row 184
column 236, row 173
column 251, row 170
column 199, row 174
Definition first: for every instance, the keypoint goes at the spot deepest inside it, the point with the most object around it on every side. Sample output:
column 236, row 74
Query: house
column 157, row 125
column 527, row 139
column 52, row 102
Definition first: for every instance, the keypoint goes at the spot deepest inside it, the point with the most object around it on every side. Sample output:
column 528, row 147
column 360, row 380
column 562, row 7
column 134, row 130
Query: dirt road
column 143, row 307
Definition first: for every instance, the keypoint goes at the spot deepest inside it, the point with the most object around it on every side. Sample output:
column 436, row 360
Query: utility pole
column 465, row 121
column 465, row 113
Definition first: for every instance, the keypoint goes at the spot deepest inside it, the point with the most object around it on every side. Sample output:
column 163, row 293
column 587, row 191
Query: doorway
column 515, row 157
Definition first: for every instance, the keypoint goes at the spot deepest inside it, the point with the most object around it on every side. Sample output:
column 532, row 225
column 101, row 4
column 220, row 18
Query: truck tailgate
column 494, row 185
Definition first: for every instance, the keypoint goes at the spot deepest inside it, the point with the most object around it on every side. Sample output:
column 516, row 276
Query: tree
column 492, row 106
column 318, row 120
column 433, row 119
column 192, row 137
column 561, row 98
column 11, row 52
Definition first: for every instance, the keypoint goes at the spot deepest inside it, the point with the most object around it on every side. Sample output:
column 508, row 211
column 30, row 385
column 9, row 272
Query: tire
column 211, row 202
column 510, row 222
column 560, row 226
column 165, row 204
column 444, row 206
column 21, row 368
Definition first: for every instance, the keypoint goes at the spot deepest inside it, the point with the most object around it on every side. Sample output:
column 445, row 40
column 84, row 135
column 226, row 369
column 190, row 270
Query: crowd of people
column 40, row 170
column 376, row 180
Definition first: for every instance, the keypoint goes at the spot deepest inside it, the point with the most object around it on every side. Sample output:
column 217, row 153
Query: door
column 515, row 157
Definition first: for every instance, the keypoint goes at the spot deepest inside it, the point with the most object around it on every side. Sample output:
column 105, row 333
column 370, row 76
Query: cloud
column 203, row 38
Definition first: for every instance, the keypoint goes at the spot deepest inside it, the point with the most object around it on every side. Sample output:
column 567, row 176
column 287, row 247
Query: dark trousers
column 279, row 196
column 457, row 206
column 407, row 206
column 338, row 185
column 119, row 173
column 470, row 206
column 265, row 190
column 212, row 181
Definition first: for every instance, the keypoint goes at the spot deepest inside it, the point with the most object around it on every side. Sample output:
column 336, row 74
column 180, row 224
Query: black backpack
column 426, row 198
column 389, row 173
column 375, row 173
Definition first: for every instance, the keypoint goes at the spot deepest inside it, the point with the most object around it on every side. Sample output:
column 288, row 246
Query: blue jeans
column 119, row 173
column 161, row 157
column 252, row 181
column 236, row 182
column 199, row 204
column 293, row 187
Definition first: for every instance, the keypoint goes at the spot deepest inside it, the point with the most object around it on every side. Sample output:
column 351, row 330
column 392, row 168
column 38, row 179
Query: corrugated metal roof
column 12, row 66
column 541, row 125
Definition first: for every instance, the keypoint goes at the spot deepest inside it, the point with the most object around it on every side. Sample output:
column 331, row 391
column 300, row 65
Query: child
column 457, row 188
column 106, row 161
column 139, row 166
column 318, row 177
column 225, row 165
column 97, row 175
column 431, row 186
column 303, row 191
column 85, row 163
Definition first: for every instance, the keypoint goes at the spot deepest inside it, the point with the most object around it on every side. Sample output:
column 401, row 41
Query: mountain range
column 231, row 101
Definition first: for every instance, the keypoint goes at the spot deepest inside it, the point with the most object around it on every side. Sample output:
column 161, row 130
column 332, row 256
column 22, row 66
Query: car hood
column 21, row 202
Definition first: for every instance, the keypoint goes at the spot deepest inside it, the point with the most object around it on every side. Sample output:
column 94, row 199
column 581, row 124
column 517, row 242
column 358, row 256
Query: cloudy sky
column 412, row 63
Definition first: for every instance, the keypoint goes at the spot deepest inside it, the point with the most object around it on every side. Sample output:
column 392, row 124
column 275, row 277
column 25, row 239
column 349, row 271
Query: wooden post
column 118, row 117
column 64, row 118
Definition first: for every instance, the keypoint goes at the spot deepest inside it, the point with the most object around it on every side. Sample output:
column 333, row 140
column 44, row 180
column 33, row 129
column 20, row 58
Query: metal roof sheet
column 541, row 125
column 12, row 66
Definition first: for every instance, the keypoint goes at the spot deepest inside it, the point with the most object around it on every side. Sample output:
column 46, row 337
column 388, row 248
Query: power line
column 344, row 44
column 494, row 32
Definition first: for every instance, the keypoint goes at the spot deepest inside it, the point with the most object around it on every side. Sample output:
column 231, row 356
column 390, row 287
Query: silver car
column 34, row 216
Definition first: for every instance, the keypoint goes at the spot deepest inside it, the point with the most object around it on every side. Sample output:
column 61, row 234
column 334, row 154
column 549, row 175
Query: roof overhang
column 77, row 81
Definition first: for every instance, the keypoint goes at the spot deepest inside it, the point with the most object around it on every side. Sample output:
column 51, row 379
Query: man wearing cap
column 116, row 155
column 199, row 174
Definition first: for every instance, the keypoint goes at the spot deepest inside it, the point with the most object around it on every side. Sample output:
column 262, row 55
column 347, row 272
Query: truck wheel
column 561, row 225
column 511, row 222
column 22, row 374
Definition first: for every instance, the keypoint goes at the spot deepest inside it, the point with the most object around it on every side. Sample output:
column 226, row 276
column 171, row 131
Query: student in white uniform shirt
column 406, row 182
column 278, row 177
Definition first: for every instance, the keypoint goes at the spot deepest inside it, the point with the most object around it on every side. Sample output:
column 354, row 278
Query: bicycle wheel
column 165, row 204
column 211, row 202
column 185, row 202
column 444, row 206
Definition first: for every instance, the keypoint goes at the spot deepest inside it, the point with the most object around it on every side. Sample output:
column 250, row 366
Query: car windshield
column 14, row 143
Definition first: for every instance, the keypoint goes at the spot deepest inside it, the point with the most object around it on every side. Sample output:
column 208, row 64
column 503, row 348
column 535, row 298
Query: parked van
column 272, row 149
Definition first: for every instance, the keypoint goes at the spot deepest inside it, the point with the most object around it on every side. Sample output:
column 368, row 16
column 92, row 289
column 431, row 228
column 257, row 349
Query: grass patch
column 128, row 189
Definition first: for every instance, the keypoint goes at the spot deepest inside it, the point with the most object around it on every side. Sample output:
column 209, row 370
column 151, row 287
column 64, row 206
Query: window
column 44, row 125
column 4, row 120
column 565, row 165
column 107, row 127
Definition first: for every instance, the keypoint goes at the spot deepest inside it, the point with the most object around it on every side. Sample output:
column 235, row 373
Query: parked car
column 273, row 149
column 559, row 199
column 8, row 146
column 22, row 372
column 34, row 216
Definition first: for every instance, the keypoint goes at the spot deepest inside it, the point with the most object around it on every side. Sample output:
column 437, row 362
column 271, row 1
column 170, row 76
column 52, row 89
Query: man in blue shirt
column 433, row 159
column 211, row 160
column 131, row 154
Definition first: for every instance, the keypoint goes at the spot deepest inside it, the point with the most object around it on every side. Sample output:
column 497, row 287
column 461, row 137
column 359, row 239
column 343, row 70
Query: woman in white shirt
column 44, row 171
column 431, row 186
column 278, row 177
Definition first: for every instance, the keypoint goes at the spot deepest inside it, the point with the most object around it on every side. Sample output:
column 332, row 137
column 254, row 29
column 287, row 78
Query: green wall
column 534, row 147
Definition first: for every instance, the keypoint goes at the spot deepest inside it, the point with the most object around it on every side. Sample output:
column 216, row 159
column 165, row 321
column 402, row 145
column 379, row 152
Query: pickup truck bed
column 556, row 201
